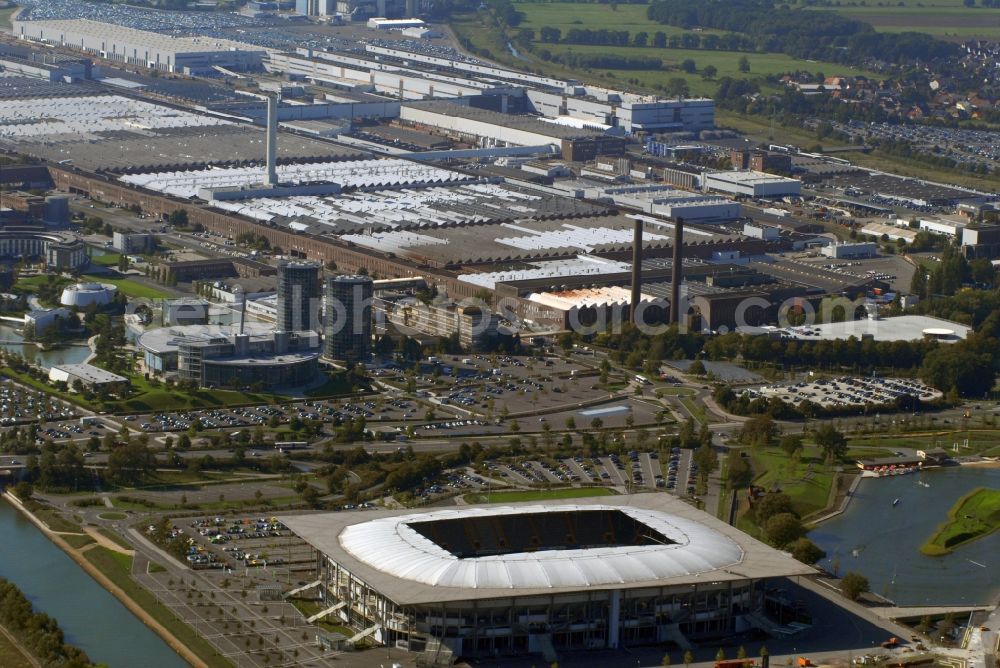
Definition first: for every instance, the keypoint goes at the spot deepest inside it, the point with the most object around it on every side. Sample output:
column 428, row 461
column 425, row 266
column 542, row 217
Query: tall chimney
column 272, row 140
column 636, row 271
column 676, row 274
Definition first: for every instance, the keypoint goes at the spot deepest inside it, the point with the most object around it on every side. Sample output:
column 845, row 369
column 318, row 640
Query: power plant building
column 348, row 313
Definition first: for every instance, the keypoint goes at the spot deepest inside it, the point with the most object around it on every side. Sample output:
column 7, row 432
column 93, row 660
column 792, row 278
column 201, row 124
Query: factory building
column 752, row 184
column 665, row 201
column 89, row 376
column 981, row 242
column 850, row 250
column 298, row 297
column 490, row 128
column 133, row 243
column 476, row 329
column 167, row 53
column 348, row 318
column 48, row 66
column 524, row 579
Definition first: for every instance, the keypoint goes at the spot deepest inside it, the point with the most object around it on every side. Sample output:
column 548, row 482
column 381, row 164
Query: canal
column 90, row 617
column 882, row 541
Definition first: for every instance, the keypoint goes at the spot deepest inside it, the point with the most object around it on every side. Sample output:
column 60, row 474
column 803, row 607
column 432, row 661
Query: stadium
column 526, row 578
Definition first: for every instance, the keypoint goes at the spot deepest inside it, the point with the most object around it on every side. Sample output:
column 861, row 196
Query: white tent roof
column 390, row 545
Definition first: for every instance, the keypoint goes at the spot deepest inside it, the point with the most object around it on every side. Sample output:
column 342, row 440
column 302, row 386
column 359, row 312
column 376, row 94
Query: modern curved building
column 82, row 295
column 59, row 250
column 487, row 580
column 231, row 356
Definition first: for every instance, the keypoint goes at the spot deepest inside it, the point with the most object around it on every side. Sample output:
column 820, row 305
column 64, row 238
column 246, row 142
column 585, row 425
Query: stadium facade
column 526, row 578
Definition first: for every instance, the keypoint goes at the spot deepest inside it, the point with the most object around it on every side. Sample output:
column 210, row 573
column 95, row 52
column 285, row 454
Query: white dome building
column 82, row 295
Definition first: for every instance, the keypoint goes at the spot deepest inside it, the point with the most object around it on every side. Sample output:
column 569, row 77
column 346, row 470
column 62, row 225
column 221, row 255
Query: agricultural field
column 974, row 516
column 945, row 19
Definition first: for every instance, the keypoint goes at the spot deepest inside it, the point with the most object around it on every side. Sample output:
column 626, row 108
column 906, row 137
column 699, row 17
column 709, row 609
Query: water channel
column 882, row 541
column 11, row 340
column 91, row 618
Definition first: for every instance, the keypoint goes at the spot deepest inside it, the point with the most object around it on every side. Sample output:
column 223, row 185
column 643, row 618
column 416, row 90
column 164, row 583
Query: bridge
column 914, row 611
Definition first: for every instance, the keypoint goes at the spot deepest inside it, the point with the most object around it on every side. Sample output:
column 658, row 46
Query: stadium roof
column 685, row 546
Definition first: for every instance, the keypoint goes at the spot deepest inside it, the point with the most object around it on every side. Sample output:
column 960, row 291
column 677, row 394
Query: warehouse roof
column 422, row 557
column 526, row 123
column 152, row 40
column 89, row 373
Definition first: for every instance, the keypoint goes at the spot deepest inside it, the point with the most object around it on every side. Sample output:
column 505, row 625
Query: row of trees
column 39, row 633
column 803, row 34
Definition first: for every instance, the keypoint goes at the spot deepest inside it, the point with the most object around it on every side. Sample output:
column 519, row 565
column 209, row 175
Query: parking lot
column 847, row 391
column 19, row 405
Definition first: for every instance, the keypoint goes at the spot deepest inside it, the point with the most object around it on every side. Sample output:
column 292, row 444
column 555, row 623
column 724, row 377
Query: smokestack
column 272, row 140
column 676, row 273
column 636, row 270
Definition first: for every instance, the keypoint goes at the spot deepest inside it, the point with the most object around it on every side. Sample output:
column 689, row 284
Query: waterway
column 12, row 341
column 89, row 615
column 883, row 541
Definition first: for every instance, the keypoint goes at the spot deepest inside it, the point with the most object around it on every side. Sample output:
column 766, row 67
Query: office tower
column 348, row 316
column 298, row 296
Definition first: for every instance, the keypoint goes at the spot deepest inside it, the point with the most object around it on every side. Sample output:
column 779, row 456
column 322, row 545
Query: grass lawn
column 115, row 538
column 130, row 288
column 5, row 22
column 567, row 16
column 696, row 409
column 117, row 567
column 106, row 260
column 336, row 386
column 807, row 483
column 53, row 519
column 974, row 516
column 12, row 656
column 149, row 398
column 537, row 495
column 77, row 541
column 670, row 391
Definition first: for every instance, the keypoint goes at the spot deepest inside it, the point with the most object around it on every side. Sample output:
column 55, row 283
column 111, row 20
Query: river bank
column 104, row 581
column 15, row 655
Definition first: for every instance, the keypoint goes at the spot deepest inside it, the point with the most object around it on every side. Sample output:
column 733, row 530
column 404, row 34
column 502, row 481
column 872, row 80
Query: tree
column 741, row 653
column 783, row 528
column 697, row 368
column 791, row 444
column 677, row 87
column 709, row 72
column 178, row 218
column 854, row 585
column 770, row 505
column 744, row 64
column 806, row 551
column 688, row 65
column 665, row 661
column 831, row 442
column 720, row 655
column 758, row 431
column 688, row 658
column 959, row 366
